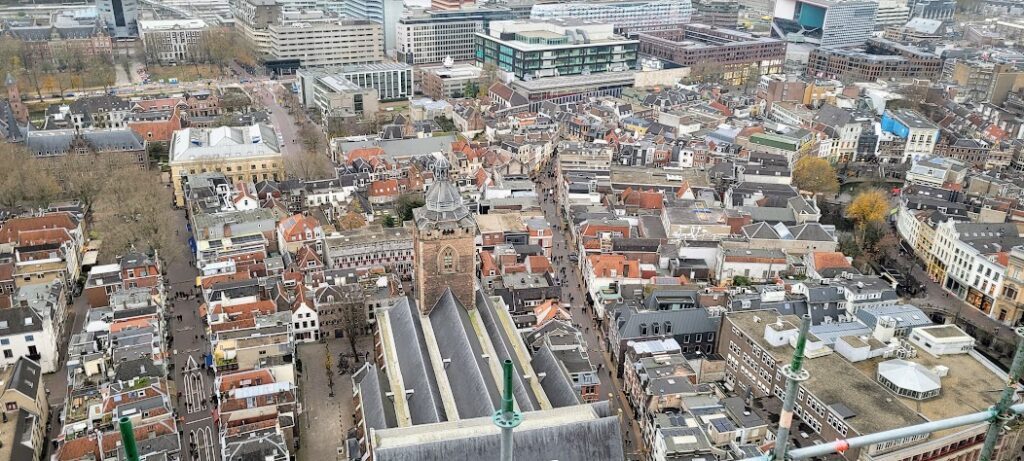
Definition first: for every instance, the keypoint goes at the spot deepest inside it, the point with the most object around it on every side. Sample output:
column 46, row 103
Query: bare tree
column 308, row 165
column 26, row 180
column 135, row 211
column 352, row 312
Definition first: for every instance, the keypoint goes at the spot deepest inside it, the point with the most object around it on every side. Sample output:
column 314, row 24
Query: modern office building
column 531, row 49
column 626, row 15
column 829, row 23
column 736, row 51
column 384, row 12
column 449, row 81
column 120, row 16
column 338, row 97
column 392, row 81
column 253, row 19
column 716, row 13
column 877, row 59
column 171, row 41
column 891, row 13
column 429, row 36
column 328, row 41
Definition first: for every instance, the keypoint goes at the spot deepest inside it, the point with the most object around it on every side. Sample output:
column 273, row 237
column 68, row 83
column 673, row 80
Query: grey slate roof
column 467, row 372
column 12, row 321
column 378, row 410
column 555, row 382
column 684, row 321
column 523, row 393
column 414, row 362
column 811, row 231
column 24, row 426
column 58, row 142
column 25, row 378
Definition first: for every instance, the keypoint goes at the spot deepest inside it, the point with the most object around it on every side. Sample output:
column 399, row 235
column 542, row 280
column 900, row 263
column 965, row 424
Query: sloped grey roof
column 684, row 321
column 580, row 440
column 377, row 409
column 25, row 378
column 555, row 382
column 32, row 33
column 13, row 321
column 467, row 371
column 58, row 142
column 832, row 116
column 760, row 230
column 414, row 362
column 522, row 392
column 811, row 231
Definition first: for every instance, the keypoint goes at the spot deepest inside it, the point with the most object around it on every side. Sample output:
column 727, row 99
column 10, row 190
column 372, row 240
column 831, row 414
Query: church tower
column 14, row 98
column 444, row 242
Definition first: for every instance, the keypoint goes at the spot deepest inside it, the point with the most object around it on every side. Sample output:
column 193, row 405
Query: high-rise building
column 430, row 36
column 328, row 42
column 384, row 12
column 253, row 19
column 626, row 15
column 530, row 49
column 120, row 16
column 829, row 23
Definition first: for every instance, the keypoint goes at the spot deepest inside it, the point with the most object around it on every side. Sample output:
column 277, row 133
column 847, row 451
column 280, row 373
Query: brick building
column 443, row 241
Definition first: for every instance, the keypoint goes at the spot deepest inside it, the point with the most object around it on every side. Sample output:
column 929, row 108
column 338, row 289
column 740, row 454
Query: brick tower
column 14, row 98
column 444, row 244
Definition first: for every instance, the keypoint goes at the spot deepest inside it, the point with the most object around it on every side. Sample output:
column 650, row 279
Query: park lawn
column 183, row 72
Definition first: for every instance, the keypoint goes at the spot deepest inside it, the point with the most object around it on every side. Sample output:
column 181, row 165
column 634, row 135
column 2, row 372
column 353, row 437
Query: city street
column 188, row 345
column 969, row 318
column 572, row 285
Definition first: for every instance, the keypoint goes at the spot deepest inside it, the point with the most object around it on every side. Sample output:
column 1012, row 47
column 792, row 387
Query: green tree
column 389, row 221
column 815, row 175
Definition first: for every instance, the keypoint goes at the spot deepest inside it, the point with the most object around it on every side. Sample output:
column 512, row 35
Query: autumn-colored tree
column 815, row 175
column 869, row 206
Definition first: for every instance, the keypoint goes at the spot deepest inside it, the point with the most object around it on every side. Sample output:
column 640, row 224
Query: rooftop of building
column 191, row 145
column 833, row 379
column 170, row 24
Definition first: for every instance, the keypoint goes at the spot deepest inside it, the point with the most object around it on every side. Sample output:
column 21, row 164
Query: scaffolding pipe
column 841, row 446
column 794, row 374
column 1002, row 415
column 506, row 417
column 128, row 439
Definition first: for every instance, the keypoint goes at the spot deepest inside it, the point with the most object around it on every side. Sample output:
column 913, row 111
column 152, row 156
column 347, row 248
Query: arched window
column 447, row 262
